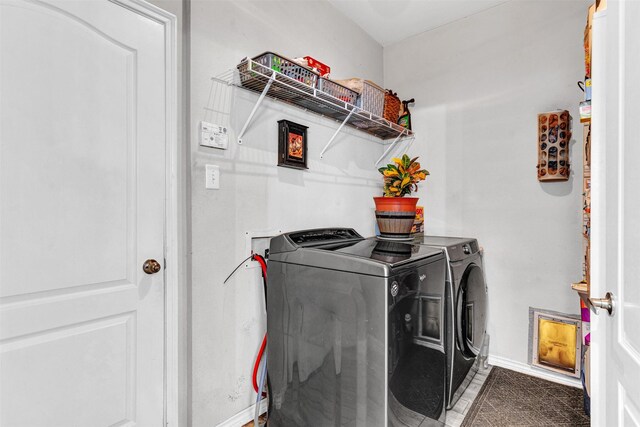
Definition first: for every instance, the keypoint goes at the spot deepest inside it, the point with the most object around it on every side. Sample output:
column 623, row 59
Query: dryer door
column 471, row 311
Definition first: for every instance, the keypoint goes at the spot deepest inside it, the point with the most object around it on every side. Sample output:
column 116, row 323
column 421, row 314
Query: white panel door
column 616, row 215
column 82, row 200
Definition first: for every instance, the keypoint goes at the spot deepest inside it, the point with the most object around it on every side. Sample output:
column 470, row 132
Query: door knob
column 151, row 266
column 607, row 303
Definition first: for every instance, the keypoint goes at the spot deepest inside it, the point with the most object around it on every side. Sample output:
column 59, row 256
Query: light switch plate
column 214, row 136
column 212, row 177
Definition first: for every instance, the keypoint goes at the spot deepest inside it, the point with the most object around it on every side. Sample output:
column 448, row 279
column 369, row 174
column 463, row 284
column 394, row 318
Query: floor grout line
column 456, row 415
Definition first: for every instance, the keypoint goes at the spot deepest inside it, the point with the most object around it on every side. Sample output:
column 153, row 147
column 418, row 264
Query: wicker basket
column 391, row 106
column 338, row 91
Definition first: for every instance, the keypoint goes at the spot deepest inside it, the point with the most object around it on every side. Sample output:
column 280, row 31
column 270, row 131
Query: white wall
column 227, row 321
column 479, row 84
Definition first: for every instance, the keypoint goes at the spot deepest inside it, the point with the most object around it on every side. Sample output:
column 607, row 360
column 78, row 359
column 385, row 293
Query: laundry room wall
column 479, row 83
column 227, row 321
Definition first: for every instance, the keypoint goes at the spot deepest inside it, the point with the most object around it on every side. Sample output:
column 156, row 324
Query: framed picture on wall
column 292, row 145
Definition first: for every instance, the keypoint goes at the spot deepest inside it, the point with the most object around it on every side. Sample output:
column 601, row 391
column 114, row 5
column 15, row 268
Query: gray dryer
column 467, row 304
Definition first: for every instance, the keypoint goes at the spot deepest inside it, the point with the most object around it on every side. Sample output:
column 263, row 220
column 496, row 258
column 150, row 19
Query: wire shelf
column 253, row 76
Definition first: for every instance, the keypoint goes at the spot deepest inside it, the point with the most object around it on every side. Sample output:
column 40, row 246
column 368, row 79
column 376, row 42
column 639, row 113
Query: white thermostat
column 214, row 136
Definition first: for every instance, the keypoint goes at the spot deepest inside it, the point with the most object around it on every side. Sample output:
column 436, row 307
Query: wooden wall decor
column 554, row 134
column 292, row 145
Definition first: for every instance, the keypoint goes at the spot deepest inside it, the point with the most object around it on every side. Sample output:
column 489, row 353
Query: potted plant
column 395, row 212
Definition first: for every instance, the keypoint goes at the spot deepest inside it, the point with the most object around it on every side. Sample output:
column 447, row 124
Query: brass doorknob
column 151, row 266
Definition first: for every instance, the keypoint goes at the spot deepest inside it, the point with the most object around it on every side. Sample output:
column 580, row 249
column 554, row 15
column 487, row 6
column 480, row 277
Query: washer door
column 471, row 309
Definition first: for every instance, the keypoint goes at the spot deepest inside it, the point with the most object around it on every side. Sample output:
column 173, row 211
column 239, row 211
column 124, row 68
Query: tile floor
column 511, row 383
column 456, row 415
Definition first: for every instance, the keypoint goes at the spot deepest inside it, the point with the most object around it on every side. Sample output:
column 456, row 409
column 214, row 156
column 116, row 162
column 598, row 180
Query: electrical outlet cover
column 212, row 177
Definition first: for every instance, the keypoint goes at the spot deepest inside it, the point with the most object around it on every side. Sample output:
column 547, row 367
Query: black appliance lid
column 385, row 251
column 323, row 236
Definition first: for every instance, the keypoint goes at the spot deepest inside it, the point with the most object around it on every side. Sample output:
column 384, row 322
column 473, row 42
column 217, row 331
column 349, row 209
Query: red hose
column 263, row 265
column 256, row 364
column 263, row 346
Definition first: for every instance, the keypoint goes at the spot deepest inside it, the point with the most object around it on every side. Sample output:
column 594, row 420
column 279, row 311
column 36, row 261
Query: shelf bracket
column 255, row 107
column 390, row 147
column 337, row 131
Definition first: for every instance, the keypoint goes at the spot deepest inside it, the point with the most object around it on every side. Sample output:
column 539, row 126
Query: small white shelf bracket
column 390, row 147
column 255, row 107
column 344, row 122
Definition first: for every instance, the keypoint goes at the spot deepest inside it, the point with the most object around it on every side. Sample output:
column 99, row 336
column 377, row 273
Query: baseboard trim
column 534, row 372
column 244, row 416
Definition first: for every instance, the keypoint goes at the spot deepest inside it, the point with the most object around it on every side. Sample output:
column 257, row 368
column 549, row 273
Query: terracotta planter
column 395, row 216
